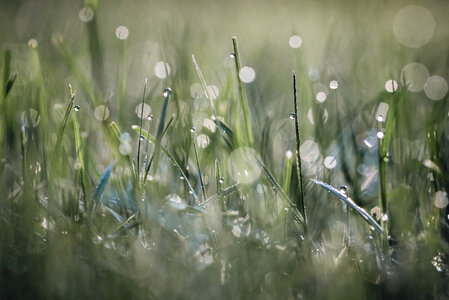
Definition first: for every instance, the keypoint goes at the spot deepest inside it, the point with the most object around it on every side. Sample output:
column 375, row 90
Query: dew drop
column 380, row 118
column 387, row 157
column 333, row 84
column 344, row 190
column 142, row 138
column 380, row 135
column 181, row 177
column 192, row 130
column 292, row 115
column 167, row 92
column 232, row 55
column 221, row 180
column 150, row 117
column 77, row 107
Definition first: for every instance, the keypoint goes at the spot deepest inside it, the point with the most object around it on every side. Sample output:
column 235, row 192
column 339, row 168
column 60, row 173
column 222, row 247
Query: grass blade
column 219, row 181
column 296, row 213
column 166, row 152
column 222, row 193
column 360, row 211
column 242, row 95
column 203, row 189
column 160, row 130
column 99, row 191
column 140, row 133
column 288, row 171
column 301, row 203
column 66, row 117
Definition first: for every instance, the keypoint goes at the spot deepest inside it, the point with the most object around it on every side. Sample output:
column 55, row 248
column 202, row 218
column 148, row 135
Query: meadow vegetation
column 232, row 149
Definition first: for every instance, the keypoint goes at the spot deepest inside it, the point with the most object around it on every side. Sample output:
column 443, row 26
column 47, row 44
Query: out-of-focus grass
column 106, row 193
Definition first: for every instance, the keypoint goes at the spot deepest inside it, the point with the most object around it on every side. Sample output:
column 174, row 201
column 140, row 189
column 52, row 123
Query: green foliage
column 215, row 192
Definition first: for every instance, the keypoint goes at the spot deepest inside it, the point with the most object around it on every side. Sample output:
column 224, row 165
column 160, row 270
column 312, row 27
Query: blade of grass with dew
column 242, row 94
column 140, row 133
column 101, row 187
column 147, row 171
column 222, row 193
column 166, row 152
column 160, row 130
column 288, row 172
column 360, row 211
column 79, row 151
column 301, row 203
column 219, row 186
column 203, row 189
column 65, row 119
column 289, row 203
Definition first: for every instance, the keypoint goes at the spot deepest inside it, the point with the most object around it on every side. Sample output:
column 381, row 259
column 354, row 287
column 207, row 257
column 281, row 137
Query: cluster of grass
column 214, row 195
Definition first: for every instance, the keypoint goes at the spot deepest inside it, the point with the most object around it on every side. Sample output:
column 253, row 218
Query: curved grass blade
column 360, row 211
column 165, row 150
column 296, row 213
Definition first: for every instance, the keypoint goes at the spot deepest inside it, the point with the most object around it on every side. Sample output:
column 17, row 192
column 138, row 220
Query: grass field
column 233, row 149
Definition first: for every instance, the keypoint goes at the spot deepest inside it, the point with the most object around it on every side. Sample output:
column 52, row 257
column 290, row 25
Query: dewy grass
column 301, row 204
column 140, row 133
column 247, row 239
column 249, row 140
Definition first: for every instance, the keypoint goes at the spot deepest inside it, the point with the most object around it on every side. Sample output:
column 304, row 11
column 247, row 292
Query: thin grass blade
column 359, row 210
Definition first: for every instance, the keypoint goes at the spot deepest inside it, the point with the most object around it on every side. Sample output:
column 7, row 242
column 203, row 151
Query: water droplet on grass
column 221, row 180
column 142, row 138
column 150, row 117
column 77, row 107
column 167, row 92
column 292, row 115
column 380, row 118
column 380, row 135
column 333, row 84
column 192, row 130
column 344, row 190
column 232, row 55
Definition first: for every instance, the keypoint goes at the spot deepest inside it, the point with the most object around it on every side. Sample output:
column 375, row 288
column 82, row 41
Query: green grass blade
column 242, row 95
column 301, row 203
column 203, row 189
column 140, row 133
column 289, row 204
column 222, row 193
column 219, row 181
column 160, row 130
column 166, row 152
column 64, row 120
column 359, row 210
column 80, row 157
column 288, row 172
